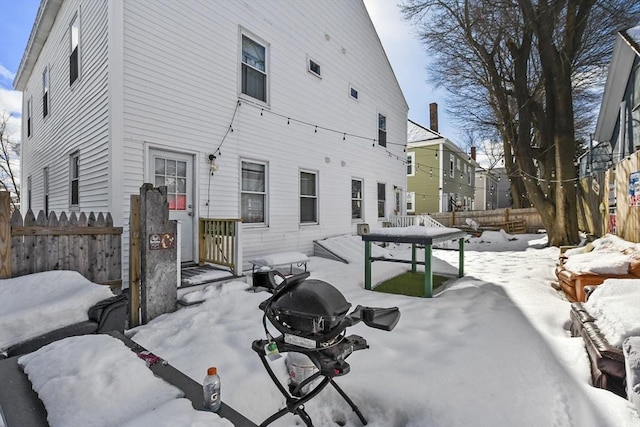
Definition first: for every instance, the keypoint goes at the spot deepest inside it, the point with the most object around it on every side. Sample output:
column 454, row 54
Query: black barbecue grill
column 311, row 316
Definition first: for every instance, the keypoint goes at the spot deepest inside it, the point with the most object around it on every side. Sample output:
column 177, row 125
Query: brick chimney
column 473, row 153
column 433, row 116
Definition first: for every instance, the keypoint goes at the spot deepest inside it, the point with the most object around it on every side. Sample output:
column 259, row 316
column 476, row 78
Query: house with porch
column 440, row 176
column 280, row 120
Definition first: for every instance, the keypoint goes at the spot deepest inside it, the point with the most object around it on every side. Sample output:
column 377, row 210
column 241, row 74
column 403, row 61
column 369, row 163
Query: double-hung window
column 451, row 165
column 308, row 197
column 45, row 92
column 382, row 130
column 45, row 184
column 411, row 164
column 254, row 192
column 411, row 197
column 74, row 179
column 29, row 112
column 254, row 69
column 356, row 199
column 74, row 58
column 382, row 198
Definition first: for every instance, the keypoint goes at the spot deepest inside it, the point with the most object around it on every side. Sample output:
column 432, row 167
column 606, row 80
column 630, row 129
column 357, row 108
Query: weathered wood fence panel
column 509, row 219
column 89, row 245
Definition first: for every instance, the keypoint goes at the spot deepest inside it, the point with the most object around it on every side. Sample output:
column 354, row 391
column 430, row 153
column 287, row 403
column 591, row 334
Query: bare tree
column 9, row 155
column 521, row 68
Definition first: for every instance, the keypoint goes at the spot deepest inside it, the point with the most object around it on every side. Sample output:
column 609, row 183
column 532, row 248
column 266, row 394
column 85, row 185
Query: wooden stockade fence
column 90, row 245
column 526, row 220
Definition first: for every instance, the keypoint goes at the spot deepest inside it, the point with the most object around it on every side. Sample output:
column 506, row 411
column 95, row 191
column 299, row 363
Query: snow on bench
column 280, row 259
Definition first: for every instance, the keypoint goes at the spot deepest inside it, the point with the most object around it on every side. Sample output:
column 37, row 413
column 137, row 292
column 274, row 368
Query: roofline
column 45, row 18
column 632, row 43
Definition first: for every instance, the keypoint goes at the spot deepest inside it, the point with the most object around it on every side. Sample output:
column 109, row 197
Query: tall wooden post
column 134, row 262
column 5, row 235
column 158, row 261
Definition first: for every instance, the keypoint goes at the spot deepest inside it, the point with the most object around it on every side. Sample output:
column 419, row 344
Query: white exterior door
column 175, row 170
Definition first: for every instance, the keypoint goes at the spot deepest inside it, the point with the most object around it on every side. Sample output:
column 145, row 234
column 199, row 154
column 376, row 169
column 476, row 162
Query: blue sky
column 406, row 55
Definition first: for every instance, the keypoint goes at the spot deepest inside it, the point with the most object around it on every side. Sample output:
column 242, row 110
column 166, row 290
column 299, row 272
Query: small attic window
column 314, row 68
column 353, row 93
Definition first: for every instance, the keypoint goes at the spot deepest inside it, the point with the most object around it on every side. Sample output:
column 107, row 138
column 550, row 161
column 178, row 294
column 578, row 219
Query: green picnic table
column 425, row 236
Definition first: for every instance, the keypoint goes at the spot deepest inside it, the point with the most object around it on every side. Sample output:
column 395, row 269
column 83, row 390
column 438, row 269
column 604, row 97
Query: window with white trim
column 411, row 198
column 45, row 185
column 356, row 198
column 314, row 68
column 29, row 115
column 74, row 55
column 382, row 199
column 411, row 164
column 451, row 165
column 308, row 197
column 254, row 192
column 254, row 69
column 353, row 92
column 74, row 179
column 45, row 92
column 382, row 130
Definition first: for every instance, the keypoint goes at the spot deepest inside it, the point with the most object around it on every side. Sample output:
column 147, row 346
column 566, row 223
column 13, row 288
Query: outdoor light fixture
column 213, row 166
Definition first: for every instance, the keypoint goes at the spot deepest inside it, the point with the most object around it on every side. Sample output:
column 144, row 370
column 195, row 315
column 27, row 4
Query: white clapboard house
column 284, row 114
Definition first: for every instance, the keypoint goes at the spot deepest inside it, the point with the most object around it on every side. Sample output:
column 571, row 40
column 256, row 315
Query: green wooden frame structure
column 426, row 240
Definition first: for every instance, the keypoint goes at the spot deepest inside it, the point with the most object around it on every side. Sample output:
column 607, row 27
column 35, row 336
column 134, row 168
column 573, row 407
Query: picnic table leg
column 428, row 271
column 461, row 260
column 413, row 258
column 367, row 265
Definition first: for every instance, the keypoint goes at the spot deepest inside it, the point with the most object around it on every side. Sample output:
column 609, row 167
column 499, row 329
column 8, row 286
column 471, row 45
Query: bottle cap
column 212, row 371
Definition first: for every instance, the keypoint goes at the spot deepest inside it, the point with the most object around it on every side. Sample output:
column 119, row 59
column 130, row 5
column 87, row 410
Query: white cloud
column 6, row 74
column 11, row 101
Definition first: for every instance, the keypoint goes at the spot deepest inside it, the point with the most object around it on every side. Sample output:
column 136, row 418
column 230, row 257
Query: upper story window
column 356, row 199
column 74, row 179
column 382, row 130
column 308, row 197
column 74, row 58
column 45, row 92
column 411, row 164
column 29, row 115
column 353, row 92
column 254, row 193
column 29, row 192
column 314, row 68
column 254, row 69
column 451, row 165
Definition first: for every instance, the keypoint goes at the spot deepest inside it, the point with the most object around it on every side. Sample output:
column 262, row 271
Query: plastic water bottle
column 211, row 390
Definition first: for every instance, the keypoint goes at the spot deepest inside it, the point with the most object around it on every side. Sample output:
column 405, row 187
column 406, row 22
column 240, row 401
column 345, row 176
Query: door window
column 173, row 174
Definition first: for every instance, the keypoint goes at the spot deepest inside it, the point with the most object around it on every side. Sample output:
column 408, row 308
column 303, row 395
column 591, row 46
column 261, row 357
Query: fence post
column 158, row 260
column 134, row 262
column 5, row 236
column 506, row 214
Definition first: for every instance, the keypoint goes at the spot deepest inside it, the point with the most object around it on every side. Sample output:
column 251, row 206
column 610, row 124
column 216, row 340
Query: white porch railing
column 410, row 220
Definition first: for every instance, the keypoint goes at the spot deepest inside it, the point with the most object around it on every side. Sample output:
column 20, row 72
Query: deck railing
column 410, row 220
column 220, row 243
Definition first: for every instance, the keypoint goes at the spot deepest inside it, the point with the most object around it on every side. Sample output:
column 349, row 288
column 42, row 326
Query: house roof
column 626, row 49
column 45, row 18
column 420, row 136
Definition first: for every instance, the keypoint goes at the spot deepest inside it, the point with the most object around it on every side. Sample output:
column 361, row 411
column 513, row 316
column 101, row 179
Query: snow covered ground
column 490, row 349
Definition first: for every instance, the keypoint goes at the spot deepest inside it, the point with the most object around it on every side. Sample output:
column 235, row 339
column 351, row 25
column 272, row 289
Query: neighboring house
column 286, row 114
column 440, row 176
column 486, row 194
column 617, row 131
column 492, row 189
